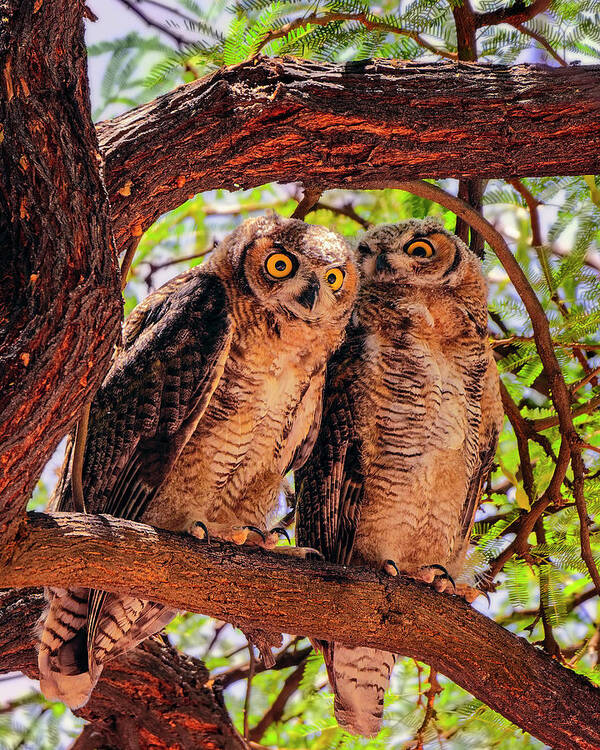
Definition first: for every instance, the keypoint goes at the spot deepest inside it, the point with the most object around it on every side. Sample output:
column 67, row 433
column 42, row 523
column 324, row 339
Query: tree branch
column 514, row 14
column 350, row 606
column 349, row 126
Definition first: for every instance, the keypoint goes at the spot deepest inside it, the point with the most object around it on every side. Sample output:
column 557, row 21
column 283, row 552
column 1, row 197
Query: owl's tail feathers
column 62, row 657
column 359, row 678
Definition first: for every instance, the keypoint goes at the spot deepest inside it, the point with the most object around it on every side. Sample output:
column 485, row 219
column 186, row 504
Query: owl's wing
column 154, row 394
column 149, row 404
column 329, row 487
column 489, row 430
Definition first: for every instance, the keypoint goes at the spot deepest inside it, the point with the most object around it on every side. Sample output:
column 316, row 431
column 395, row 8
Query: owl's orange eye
column 279, row 265
column 419, row 248
column 335, row 278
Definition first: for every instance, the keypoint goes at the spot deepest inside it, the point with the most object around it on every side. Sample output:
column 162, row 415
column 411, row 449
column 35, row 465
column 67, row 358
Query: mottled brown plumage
column 216, row 395
column 411, row 419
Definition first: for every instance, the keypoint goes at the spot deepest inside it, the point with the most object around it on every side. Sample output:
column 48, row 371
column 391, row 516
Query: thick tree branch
column 351, row 606
column 60, row 305
column 349, row 126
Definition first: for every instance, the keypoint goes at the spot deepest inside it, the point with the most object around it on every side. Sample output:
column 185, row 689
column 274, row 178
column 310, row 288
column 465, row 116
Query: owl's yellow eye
column 335, row 278
column 419, row 248
column 279, row 265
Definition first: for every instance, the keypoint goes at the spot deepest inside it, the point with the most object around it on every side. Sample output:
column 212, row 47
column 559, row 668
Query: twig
column 308, row 202
column 550, row 644
column 134, row 8
column 547, row 422
column 219, row 627
column 128, row 260
column 495, row 343
column 347, row 210
column 574, row 387
column 248, row 689
column 283, row 660
column 434, row 690
column 521, row 433
column 78, row 456
column 154, row 267
column 275, row 712
column 543, row 42
column 314, row 19
column 513, row 14
column 533, row 204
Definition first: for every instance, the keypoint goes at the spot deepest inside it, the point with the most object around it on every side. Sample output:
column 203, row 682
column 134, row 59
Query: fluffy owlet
column 411, row 417
column 215, row 396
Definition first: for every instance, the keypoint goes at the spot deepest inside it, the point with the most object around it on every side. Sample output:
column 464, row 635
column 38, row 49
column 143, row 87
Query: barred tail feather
column 359, row 678
column 79, row 636
column 62, row 657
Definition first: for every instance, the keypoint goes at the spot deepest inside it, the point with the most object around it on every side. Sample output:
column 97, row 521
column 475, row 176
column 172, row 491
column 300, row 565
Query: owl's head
column 417, row 252
column 295, row 269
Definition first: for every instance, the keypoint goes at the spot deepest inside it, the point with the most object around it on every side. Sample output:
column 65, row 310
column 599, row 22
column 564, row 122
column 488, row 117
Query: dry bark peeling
column 351, row 606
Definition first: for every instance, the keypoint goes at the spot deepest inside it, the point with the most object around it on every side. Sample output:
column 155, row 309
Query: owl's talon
column 280, row 530
column 389, row 566
column 256, row 530
column 470, row 593
column 444, row 575
column 201, row 525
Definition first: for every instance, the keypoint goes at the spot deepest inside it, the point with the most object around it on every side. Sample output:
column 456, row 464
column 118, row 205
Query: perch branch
column 354, row 606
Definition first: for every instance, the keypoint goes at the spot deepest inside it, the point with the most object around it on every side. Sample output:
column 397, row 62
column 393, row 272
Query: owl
column 215, row 396
column 411, row 418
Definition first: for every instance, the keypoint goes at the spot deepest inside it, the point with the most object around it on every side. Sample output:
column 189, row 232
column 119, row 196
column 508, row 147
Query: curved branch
column 351, row 606
column 513, row 14
column 349, row 125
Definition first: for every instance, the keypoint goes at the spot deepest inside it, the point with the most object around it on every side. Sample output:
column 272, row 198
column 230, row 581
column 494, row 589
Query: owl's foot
column 273, row 536
column 306, row 553
column 437, row 576
column 225, row 532
column 469, row 593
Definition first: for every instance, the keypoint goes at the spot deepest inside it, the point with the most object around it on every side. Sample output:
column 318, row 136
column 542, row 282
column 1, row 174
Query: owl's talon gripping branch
column 200, row 526
column 258, row 531
column 390, row 567
column 282, row 532
column 439, row 581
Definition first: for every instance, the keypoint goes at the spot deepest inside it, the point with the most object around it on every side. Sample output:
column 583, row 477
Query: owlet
column 411, row 418
column 215, row 396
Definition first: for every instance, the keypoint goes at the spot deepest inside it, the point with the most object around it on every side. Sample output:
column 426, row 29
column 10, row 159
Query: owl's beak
column 309, row 294
column 382, row 263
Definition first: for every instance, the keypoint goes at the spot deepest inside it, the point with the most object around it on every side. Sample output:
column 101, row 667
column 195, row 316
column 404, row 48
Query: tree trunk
column 60, row 304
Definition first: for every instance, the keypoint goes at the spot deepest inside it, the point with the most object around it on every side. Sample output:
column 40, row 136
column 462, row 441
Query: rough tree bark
column 164, row 691
column 60, row 304
column 352, row 606
column 336, row 126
